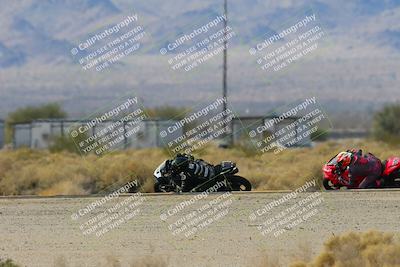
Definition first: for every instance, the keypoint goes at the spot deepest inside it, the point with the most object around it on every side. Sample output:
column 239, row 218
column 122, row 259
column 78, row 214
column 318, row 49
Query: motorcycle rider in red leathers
column 367, row 168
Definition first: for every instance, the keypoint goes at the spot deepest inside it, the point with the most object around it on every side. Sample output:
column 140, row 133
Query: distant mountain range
column 357, row 68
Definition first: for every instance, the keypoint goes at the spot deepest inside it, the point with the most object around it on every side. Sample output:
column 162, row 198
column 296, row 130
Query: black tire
column 327, row 185
column 239, row 183
column 390, row 182
column 160, row 188
column 157, row 187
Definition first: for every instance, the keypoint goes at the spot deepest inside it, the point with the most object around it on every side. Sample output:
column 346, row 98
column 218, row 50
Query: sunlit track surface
column 216, row 193
column 38, row 231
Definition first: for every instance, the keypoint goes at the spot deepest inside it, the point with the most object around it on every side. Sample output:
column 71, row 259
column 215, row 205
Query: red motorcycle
column 334, row 178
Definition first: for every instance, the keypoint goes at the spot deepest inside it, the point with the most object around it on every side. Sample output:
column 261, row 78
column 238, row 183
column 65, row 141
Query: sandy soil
column 41, row 232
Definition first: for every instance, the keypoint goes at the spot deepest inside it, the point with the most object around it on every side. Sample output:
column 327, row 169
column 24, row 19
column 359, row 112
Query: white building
column 40, row 133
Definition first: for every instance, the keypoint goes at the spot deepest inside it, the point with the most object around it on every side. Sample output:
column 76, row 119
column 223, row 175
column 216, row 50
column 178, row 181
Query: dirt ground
column 48, row 231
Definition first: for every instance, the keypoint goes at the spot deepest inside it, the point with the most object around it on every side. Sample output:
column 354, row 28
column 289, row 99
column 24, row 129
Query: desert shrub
column 386, row 126
column 353, row 249
column 67, row 143
column 7, row 263
column 63, row 143
column 167, row 112
column 28, row 114
column 370, row 248
column 319, row 135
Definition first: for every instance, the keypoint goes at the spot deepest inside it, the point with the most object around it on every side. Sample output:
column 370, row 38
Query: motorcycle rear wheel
column 390, row 182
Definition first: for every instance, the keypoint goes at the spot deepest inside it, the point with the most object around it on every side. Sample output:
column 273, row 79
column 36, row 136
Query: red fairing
column 391, row 169
column 392, row 165
column 329, row 173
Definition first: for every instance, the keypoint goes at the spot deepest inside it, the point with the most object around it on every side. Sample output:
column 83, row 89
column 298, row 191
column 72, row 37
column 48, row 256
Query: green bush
column 386, row 126
column 28, row 114
column 63, row 143
column 319, row 135
column 168, row 112
column 8, row 263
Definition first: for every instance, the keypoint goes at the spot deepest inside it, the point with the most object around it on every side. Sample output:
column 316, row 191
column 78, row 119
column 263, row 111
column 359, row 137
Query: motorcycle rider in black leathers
column 191, row 171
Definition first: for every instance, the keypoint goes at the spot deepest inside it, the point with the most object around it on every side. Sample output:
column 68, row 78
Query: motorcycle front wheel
column 239, row 183
column 157, row 188
column 162, row 188
column 328, row 185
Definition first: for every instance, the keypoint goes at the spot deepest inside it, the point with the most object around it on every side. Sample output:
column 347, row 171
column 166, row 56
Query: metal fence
column 41, row 133
column 241, row 126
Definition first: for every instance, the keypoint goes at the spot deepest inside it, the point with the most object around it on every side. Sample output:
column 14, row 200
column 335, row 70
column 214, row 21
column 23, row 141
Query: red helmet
column 343, row 159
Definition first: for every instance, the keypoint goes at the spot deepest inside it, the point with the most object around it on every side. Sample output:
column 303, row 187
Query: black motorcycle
column 167, row 181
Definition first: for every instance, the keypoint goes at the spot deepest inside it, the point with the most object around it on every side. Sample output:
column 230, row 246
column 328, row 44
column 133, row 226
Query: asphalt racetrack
column 236, row 229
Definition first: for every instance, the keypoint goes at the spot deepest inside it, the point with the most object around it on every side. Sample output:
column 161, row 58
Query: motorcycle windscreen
column 159, row 171
column 332, row 161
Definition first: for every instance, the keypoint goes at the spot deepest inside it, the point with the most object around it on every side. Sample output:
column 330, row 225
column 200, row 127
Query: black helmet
column 180, row 162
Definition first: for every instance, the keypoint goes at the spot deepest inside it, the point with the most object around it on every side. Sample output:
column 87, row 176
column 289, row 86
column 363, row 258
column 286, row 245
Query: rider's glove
column 351, row 181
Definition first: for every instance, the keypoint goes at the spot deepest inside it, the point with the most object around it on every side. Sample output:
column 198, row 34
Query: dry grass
column 353, row 249
column 26, row 171
column 369, row 249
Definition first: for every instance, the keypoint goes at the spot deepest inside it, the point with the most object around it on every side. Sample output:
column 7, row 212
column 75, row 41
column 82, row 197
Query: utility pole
column 225, row 70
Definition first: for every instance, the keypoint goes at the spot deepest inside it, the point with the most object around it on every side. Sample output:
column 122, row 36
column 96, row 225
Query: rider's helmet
column 344, row 159
column 179, row 163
